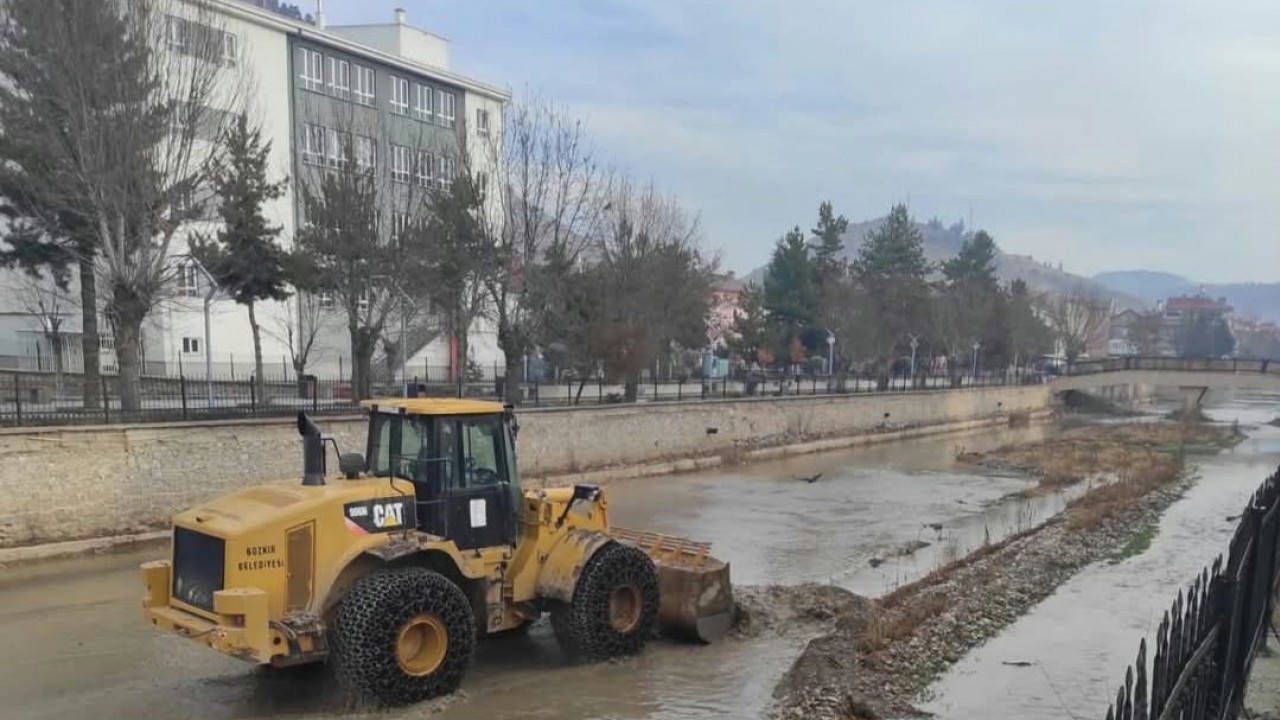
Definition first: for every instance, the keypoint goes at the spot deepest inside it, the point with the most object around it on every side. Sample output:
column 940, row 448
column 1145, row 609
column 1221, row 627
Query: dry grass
column 1099, row 451
column 891, row 624
column 1096, row 507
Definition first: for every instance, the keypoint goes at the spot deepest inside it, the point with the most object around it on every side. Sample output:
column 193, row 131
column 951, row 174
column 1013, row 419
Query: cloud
column 1102, row 133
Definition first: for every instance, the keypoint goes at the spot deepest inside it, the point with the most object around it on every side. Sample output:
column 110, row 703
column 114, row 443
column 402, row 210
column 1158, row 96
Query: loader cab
column 460, row 457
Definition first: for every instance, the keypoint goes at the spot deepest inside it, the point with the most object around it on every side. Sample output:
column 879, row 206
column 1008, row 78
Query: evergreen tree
column 244, row 257
column 828, row 247
column 890, row 272
column 1029, row 336
column 970, row 307
column 791, row 284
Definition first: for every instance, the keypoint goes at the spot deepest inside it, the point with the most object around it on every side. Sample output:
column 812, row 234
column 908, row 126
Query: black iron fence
column 31, row 399
column 1207, row 641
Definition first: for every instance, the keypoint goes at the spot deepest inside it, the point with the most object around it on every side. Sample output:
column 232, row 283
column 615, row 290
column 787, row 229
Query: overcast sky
column 1104, row 134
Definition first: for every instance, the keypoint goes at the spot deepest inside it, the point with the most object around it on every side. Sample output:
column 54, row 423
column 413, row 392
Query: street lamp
column 915, row 343
column 976, row 346
column 831, row 353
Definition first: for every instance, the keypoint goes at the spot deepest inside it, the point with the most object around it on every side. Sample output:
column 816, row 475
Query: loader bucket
column 697, row 599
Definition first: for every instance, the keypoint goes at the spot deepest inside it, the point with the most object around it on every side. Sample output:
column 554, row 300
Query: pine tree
column 243, row 256
column 891, row 272
column 828, row 247
column 750, row 332
column 791, row 293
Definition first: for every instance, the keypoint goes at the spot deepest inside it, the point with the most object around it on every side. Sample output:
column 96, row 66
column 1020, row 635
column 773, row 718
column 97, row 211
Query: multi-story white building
column 310, row 87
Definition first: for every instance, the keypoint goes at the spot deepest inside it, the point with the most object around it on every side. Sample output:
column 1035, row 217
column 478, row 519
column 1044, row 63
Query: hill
column 942, row 242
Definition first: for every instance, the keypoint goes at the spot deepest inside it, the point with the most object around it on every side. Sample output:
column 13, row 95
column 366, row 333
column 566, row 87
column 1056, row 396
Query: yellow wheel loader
column 425, row 544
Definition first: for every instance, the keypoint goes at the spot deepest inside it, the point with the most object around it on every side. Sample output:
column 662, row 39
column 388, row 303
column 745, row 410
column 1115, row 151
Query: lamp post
column 976, row 346
column 915, row 343
column 831, row 353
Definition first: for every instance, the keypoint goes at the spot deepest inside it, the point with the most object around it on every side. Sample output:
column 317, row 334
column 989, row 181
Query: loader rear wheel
column 403, row 635
column 614, row 608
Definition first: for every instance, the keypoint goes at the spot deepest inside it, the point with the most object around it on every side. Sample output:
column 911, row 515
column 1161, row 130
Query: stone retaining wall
column 74, row 482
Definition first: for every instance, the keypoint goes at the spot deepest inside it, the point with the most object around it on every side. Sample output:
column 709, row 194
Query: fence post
column 253, row 395
column 106, row 401
column 680, row 390
column 599, row 390
column 315, row 393
column 17, row 395
column 182, row 388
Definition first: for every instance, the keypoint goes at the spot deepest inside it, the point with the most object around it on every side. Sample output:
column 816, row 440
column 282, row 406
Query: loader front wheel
column 614, row 608
column 403, row 635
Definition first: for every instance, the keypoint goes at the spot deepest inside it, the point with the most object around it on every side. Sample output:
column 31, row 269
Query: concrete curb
column 49, row 551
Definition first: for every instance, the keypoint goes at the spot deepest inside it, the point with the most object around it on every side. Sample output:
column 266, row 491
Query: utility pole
column 976, row 346
column 915, row 343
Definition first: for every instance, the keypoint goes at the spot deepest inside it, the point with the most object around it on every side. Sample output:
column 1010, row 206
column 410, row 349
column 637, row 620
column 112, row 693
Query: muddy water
column 76, row 646
column 1080, row 640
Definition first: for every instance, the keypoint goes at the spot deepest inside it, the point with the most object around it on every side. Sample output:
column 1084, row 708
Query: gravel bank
column 873, row 665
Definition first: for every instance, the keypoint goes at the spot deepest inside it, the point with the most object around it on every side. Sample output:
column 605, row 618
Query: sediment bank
column 875, row 665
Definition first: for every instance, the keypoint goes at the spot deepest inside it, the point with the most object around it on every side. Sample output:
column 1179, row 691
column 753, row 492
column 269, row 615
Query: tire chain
column 368, row 623
column 583, row 626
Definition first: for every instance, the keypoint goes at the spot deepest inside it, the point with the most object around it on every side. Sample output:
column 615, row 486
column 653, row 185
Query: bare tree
column 654, row 284
column 367, row 200
column 105, row 113
column 51, row 304
column 544, row 205
column 1077, row 318
column 298, row 329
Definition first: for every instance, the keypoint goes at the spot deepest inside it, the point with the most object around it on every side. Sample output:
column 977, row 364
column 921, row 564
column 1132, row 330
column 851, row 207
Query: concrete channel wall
column 67, row 483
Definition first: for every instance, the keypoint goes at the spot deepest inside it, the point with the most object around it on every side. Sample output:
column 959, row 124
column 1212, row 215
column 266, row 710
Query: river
column 1079, row 640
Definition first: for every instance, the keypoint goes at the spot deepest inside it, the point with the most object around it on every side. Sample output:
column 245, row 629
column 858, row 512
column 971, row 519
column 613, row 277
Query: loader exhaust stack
column 697, row 599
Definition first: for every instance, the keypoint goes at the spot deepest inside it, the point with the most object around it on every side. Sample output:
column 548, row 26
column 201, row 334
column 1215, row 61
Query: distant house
column 1119, row 339
column 726, row 302
column 1179, row 316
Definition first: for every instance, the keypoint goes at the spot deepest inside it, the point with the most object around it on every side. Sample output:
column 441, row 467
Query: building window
column 366, row 154
column 326, row 301
column 364, row 85
column 424, row 169
column 446, row 167
column 229, row 53
column 399, row 95
column 311, row 69
column 191, row 346
column 189, row 280
column 445, row 108
column 339, row 78
column 400, row 163
column 201, row 41
column 362, row 302
column 313, row 147
column 422, row 102
column 482, row 121
column 399, row 223
column 339, row 150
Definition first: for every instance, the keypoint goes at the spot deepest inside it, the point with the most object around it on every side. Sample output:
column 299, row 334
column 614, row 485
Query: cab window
column 483, row 452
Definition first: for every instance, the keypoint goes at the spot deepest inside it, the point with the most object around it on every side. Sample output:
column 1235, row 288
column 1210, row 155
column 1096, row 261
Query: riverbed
column 1066, row 657
column 78, row 646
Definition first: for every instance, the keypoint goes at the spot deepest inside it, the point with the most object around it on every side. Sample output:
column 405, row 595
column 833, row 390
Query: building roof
column 436, row 406
column 1196, row 303
column 302, row 29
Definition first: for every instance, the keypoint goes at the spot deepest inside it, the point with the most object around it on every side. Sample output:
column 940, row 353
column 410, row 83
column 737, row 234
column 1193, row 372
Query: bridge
column 1194, row 376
